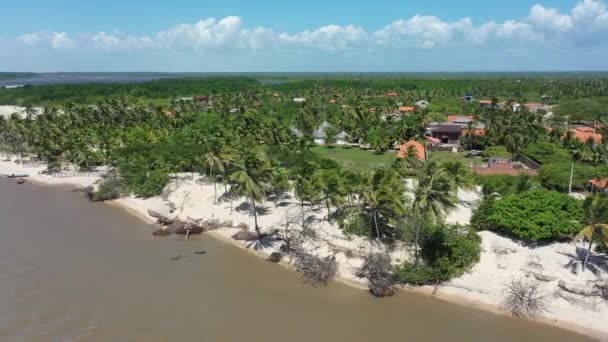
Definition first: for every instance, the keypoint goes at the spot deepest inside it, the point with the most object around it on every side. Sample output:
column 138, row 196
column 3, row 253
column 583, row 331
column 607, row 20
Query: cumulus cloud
column 329, row 38
column 30, row 38
column 585, row 23
column 120, row 42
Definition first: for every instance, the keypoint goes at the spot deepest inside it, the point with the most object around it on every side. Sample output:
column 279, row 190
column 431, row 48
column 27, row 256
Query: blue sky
column 315, row 35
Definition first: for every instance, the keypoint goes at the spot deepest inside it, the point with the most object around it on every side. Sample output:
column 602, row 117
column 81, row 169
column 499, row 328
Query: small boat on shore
column 21, row 181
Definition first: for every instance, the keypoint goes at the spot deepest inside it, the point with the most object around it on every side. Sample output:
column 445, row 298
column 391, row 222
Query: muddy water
column 76, row 271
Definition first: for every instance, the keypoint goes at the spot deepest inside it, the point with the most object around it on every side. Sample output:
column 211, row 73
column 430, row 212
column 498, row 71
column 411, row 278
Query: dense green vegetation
column 254, row 141
column 533, row 215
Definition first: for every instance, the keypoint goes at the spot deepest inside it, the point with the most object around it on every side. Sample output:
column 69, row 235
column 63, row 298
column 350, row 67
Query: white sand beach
column 190, row 197
column 7, row 111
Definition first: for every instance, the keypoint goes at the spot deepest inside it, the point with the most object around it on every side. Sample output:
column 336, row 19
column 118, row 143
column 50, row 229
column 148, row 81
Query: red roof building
column 584, row 134
column 404, row 109
column 599, row 184
column 420, row 150
column 485, row 102
column 391, row 94
column 456, row 117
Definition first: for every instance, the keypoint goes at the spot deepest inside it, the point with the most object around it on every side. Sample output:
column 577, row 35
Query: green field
column 357, row 159
column 445, row 156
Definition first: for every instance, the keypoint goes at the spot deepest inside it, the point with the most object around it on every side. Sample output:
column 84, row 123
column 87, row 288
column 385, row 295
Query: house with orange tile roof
column 406, row 109
column 599, row 184
column 585, row 134
column 485, row 103
column 452, row 118
column 418, row 147
column 391, row 94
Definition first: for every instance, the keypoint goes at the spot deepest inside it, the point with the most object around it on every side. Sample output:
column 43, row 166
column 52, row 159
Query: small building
column 320, row 135
column 333, row 101
column 392, row 94
column 468, row 97
column 485, row 104
column 185, row 99
column 535, row 107
column 296, row 132
column 422, row 104
column 412, row 144
column 299, row 99
column 585, row 134
column 599, row 184
column 407, row 110
column 202, row 98
column 451, row 131
column 447, row 133
column 342, row 138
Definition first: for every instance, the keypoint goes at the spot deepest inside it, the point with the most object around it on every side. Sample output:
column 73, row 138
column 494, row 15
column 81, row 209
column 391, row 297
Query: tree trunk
column 418, row 226
column 588, row 252
column 255, row 217
column 328, row 211
column 302, row 209
column 376, row 224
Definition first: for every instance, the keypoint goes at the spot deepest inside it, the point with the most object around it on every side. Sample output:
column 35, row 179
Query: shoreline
column 420, row 291
column 451, row 293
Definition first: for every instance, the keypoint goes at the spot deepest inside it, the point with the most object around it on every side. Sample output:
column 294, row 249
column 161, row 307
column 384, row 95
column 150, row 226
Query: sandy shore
column 191, row 198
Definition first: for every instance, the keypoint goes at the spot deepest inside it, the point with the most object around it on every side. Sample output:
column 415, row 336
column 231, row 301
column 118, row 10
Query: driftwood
column 578, row 290
column 245, row 236
column 183, row 228
column 174, row 226
column 162, row 232
column 524, row 300
column 377, row 270
column 160, row 219
column 541, row 277
column 275, row 257
column 315, row 269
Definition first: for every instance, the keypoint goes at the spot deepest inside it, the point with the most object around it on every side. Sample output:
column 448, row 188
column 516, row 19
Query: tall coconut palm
column 252, row 178
column 218, row 159
column 433, row 197
column 596, row 221
column 329, row 187
column 382, row 194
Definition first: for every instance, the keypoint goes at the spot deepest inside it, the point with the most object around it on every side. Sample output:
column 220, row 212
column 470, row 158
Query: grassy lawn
column 446, row 156
column 357, row 159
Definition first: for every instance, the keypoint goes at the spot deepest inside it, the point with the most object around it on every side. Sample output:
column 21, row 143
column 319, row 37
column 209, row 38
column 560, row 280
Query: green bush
column 447, row 252
column 556, row 175
column 544, row 152
column 534, row 215
column 153, row 184
column 109, row 189
column 505, row 184
column 496, row 151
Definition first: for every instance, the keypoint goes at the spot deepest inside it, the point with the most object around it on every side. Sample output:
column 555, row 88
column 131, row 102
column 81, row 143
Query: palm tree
column 218, row 160
column 596, row 223
column 329, row 187
column 382, row 195
column 252, row 179
column 460, row 175
column 433, row 196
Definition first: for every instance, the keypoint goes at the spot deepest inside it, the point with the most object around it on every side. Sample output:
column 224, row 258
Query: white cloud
column 550, row 19
column 61, row 41
column 586, row 23
column 120, row 42
column 329, row 38
column 30, row 38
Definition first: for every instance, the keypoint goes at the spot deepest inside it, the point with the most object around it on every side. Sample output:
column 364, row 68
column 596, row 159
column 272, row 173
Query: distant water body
column 77, row 271
column 48, row 79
